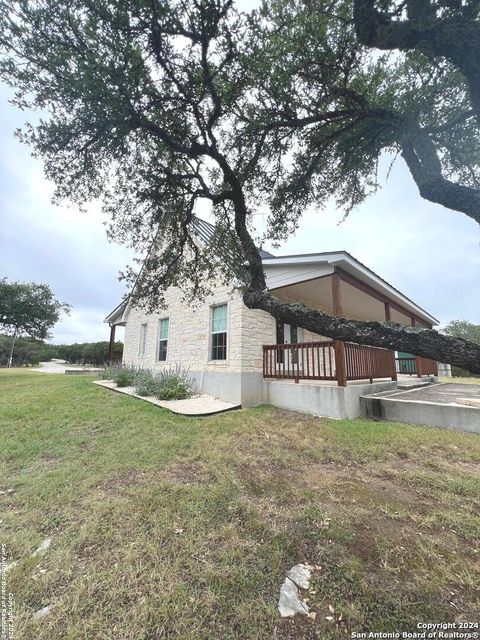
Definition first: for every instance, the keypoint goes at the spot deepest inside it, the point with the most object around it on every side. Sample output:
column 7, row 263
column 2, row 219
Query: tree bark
column 456, row 38
column 422, row 160
column 421, row 342
column 12, row 346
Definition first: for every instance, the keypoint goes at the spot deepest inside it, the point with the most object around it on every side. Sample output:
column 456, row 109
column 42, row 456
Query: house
column 245, row 356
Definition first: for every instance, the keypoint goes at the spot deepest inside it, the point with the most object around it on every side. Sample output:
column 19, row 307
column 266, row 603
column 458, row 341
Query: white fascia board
column 313, row 258
column 119, row 314
column 353, row 266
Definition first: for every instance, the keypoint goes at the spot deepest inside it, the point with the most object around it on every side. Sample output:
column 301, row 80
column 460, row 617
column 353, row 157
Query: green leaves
column 29, row 309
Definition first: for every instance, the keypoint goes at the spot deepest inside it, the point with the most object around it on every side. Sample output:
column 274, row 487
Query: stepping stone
column 300, row 574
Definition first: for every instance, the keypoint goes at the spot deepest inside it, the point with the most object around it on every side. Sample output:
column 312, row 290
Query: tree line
column 31, row 351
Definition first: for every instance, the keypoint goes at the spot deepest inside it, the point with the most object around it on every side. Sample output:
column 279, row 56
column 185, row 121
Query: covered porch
column 338, row 285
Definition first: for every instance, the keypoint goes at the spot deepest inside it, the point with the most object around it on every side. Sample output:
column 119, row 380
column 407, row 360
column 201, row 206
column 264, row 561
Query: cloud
column 61, row 246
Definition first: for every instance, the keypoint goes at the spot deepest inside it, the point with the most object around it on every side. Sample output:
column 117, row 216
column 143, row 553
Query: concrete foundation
column 245, row 388
column 321, row 399
column 424, row 413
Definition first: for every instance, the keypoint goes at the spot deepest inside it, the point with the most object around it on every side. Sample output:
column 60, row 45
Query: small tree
column 28, row 309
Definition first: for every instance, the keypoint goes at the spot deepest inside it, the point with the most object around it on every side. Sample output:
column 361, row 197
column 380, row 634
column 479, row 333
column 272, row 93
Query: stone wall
column 189, row 332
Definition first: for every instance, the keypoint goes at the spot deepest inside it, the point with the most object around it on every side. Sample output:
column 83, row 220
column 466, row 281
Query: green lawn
column 184, row 528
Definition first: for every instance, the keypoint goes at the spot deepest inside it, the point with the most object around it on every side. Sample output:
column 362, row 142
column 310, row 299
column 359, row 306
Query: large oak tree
column 155, row 105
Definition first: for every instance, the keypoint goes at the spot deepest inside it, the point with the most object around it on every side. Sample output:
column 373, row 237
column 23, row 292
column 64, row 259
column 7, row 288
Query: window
column 162, row 339
column 219, row 332
column 143, row 339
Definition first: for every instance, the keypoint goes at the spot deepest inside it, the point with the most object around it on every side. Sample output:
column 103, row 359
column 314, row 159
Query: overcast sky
column 429, row 253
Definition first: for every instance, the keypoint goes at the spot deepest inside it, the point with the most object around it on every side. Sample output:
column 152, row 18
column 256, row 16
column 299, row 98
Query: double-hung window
column 143, row 339
column 163, row 327
column 219, row 332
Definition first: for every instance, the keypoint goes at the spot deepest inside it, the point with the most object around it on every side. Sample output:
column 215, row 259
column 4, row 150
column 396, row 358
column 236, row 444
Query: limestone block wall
column 189, row 333
column 258, row 328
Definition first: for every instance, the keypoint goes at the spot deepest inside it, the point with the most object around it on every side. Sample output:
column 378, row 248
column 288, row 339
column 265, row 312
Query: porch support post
column 387, row 312
column 340, row 363
column 336, row 295
column 394, row 366
column 112, row 342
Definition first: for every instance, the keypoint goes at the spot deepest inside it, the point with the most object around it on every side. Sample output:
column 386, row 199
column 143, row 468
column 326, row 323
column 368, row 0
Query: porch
column 339, row 363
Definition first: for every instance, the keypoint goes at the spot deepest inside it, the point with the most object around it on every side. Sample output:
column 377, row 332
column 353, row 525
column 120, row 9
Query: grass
column 183, row 528
column 459, row 380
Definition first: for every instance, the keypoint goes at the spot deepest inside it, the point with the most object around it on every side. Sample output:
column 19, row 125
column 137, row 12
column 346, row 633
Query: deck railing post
column 340, row 363
column 394, row 366
column 418, row 366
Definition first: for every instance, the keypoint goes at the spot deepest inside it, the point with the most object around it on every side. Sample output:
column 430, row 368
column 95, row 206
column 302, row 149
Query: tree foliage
column 155, row 106
column 28, row 309
column 28, row 351
column 95, row 353
column 463, row 329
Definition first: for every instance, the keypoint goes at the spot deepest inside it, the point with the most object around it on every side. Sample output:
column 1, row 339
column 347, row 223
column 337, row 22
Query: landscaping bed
column 199, row 404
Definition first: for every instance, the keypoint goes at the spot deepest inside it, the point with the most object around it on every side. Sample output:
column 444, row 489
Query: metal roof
column 205, row 231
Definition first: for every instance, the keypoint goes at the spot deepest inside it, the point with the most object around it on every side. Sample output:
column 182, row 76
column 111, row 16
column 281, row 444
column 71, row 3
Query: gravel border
column 198, row 405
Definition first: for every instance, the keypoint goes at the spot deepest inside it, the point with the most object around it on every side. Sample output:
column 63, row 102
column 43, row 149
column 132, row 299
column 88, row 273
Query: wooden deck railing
column 305, row 361
column 328, row 360
column 417, row 366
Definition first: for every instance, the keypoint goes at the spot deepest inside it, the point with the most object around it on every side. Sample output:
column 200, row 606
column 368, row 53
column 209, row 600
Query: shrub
column 108, row 373
column 146, row 382
column 122, row 375
column 170, row 384
column 174, row 384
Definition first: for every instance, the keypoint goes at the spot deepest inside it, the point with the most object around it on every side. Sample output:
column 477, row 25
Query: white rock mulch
column 198, row 405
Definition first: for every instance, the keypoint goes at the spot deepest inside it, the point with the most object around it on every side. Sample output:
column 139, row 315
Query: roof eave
column 337, row 258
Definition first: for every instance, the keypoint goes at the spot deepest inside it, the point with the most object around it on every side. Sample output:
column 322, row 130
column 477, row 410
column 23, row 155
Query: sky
column 429, row 253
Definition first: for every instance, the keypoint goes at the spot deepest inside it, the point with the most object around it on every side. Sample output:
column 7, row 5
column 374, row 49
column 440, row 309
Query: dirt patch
column 384, row 487
column 188, row 473
column 366, row 533
column 119, row 484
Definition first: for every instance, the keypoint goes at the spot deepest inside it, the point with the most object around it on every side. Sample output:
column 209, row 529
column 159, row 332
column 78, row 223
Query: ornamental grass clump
column 174, row 384
column 146, row 382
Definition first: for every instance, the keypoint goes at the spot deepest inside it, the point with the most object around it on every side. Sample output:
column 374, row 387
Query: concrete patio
column 449, row 405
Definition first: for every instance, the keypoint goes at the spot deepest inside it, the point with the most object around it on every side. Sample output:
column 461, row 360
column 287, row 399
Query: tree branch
column 424, row 342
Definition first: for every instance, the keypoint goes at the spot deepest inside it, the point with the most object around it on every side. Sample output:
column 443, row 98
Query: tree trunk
column 421, row 342
column 12, row 346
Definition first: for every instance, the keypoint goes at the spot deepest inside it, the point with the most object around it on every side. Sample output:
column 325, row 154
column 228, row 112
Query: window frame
column 212, row 333
column 160, row 339
column 142, row 340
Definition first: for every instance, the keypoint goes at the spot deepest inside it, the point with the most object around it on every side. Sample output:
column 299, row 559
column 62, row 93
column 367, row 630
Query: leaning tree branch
column 422, row 342
column 421, row 158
